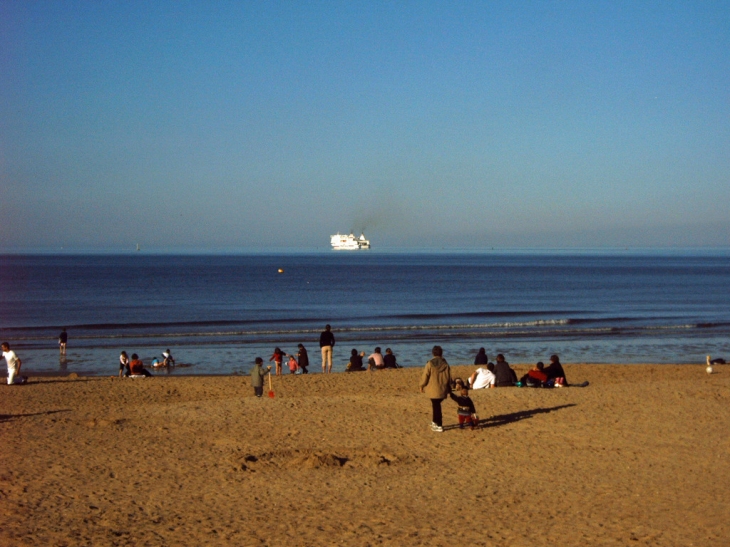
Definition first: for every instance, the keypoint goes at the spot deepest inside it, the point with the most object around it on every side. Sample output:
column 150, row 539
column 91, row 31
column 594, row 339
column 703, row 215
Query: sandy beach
column 640, row 457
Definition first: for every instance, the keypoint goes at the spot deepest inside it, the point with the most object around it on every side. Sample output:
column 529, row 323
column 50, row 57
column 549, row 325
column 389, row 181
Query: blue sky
column 223, row 126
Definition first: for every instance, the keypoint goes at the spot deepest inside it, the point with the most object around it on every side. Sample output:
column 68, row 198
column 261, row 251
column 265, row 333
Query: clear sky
column 230, row 125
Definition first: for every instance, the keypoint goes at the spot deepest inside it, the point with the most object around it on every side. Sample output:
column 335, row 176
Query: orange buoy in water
column 281, row 270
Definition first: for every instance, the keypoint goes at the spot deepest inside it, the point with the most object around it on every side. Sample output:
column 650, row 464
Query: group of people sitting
column 135, row 366
column 500, row 374
column 376, row 361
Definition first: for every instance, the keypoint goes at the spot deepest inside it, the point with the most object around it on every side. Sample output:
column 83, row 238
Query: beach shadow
column 504, row 419
column 9, row 417
column 69, row 381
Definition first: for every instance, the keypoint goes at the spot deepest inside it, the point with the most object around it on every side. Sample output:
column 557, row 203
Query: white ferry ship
column 342, row 242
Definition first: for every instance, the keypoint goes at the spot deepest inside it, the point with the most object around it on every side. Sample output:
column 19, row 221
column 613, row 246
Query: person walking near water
column 62, row 339
column 436, row 384
column 14, row 364
column 327, row 342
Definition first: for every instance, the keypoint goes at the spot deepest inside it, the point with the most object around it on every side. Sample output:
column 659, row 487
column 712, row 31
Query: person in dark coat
column 555, row 370
column 504, row 375
column 303, row 358
column 389, row 359
column 481, row 358
column 355, row 362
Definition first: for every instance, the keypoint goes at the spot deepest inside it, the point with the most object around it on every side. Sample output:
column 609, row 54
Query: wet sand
column 640, row 457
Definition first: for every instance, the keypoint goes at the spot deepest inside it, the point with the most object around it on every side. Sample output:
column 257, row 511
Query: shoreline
column 520, row 368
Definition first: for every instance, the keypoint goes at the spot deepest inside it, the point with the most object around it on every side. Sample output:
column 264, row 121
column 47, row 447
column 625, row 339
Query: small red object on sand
column 271, row 391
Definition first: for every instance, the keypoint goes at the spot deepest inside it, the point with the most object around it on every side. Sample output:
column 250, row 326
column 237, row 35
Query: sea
column 217, row 313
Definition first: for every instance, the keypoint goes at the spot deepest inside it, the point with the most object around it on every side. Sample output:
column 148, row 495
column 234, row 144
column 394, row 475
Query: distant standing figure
column 327, row 343
column 136, row 367
column 257, row 376
column 389, row 358
column 168, row 360
column 303, row 359
column 436, row 384
column 277, row 357
column 123, row 364
column 504, row 375
column 481, row 358
column 62, row 340
column 14, row 364
column 376, row 361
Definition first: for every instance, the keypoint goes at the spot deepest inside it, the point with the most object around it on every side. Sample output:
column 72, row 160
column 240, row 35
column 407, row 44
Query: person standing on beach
column 14, row 364
column 303, row 358
column 257, row 376
column 327, row 343
column 277, row 357
column 123, row 364
column 62, row 339
column 436, row 384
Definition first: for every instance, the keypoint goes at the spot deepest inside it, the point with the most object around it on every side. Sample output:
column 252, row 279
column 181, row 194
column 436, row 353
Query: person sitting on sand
column 481, row 358
column 303, row 359
column 483, row 377
column 376, row 361
column 355, row 363
column 466, row 412
column 136, row 367
column 504, row 375
column 389, row 359
column 436, row 384
column 14, row 363
column 168, row 360
column 277, row 357
column 554, row 371
column 535, row 377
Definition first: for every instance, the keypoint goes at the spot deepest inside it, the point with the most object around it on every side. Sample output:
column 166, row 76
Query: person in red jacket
column 277, row 358
column 136, row 367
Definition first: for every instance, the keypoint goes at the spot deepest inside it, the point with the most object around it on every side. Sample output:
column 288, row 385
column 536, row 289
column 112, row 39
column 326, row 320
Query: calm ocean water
column 217, row 313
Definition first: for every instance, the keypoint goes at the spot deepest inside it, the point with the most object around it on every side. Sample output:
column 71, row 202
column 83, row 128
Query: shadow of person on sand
column 8, row 417
column 504, row 419
column 36, row 381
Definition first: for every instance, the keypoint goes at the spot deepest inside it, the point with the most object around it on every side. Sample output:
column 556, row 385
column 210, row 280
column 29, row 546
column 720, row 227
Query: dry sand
column 640, row 457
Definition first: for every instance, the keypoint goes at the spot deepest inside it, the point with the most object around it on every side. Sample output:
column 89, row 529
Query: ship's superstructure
column 341, row 242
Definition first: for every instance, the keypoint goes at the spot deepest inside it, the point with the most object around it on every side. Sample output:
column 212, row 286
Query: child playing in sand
column 466, row 412
column 293, row 365
column 257, row 376
column 277, row 357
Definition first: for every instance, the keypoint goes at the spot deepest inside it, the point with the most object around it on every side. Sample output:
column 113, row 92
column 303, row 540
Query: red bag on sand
column 293, row 365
